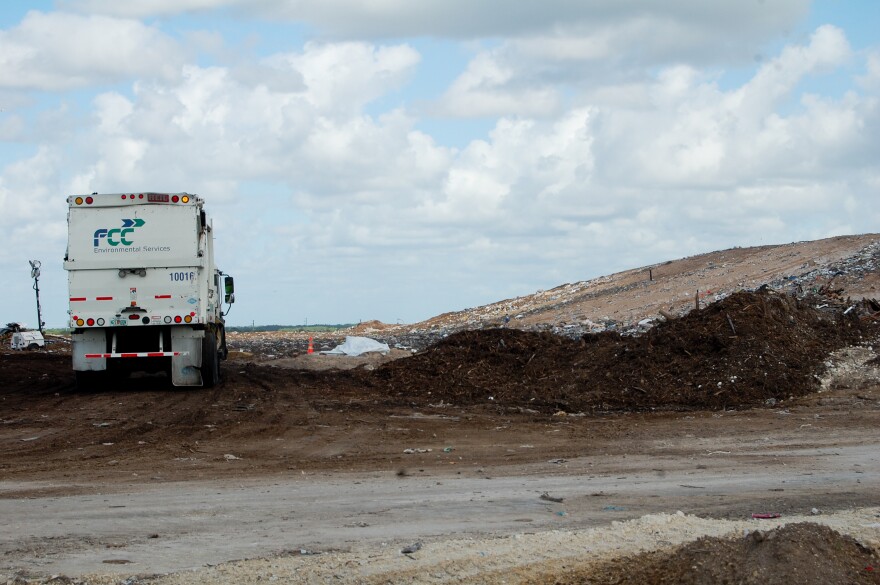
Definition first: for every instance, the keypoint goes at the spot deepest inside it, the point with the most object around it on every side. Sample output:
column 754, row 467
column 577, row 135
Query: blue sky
column 395, row 160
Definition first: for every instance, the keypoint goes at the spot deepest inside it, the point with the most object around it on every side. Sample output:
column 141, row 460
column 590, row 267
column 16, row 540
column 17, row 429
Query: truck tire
column 210, row 361
column 33, row 346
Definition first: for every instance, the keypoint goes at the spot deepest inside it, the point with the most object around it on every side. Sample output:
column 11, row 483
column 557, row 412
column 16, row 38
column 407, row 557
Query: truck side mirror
column 230, row 290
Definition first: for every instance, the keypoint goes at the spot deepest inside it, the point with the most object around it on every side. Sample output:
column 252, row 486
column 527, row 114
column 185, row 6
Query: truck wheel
column 33, row 346
column 210, row 363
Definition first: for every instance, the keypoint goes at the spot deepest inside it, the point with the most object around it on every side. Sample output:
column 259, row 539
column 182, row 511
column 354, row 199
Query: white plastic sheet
column 357, row 346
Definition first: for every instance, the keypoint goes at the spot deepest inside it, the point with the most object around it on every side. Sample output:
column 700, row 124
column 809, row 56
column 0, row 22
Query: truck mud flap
column 90, row 341
column 186, row 367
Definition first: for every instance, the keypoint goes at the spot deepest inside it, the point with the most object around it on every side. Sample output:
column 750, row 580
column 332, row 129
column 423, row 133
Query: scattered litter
column 415, row 547
column 766, row 515
column 448, row 449
column 231, row 457
column 30, row 439
column 549, row 498
column 411, row 451
column 561, row 513
column 693, row 487
column 614, row 509
column 558, row 461
column 354, row 346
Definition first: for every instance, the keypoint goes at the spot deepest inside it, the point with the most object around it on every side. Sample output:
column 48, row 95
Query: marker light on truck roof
column 175, row 199
column 78, row 200
column 184, row 199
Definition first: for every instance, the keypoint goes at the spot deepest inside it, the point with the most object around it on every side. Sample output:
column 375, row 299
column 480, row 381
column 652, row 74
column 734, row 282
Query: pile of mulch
column 805, row 553
column 744, row 350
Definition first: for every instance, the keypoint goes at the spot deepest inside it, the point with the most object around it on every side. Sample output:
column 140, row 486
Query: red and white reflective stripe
column 81, row 299
column 163, row 296
column 137, row 355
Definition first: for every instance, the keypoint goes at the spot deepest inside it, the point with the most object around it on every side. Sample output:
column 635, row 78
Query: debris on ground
column 415, row 547
column 355, row 346
column 803, row 553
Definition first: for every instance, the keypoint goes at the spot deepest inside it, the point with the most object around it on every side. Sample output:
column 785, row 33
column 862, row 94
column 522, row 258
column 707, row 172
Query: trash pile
column 624, row 301
column 747, row 349
column 276, row 344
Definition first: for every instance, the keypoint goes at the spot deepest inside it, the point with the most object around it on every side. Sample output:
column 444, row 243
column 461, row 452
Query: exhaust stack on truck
column 145, row 293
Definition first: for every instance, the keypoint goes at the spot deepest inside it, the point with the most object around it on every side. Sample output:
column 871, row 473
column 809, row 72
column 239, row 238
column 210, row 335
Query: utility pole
column 35, row 274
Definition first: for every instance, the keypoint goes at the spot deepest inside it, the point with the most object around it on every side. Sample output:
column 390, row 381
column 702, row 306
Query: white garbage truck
column 145, row 293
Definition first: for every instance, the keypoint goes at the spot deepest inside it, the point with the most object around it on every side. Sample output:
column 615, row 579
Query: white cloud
column 56, row 51
column 528, row 76
column 347, row 76
column 29, row 191
column 720, row 25
column 871, row 80
column 488, row 87
column 682, row 130
column 144, row 8
column 229, row 124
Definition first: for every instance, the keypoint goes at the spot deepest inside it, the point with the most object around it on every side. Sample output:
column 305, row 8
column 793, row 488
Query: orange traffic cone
column 311, row 347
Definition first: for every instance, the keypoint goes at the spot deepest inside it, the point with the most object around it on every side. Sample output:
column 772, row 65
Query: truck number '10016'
column 182, row 276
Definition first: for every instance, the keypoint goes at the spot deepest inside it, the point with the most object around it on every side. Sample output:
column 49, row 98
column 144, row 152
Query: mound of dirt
column 747, row 349
column 805, row 553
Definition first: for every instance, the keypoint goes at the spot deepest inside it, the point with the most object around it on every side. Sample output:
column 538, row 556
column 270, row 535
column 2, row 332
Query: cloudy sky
column 396, row 159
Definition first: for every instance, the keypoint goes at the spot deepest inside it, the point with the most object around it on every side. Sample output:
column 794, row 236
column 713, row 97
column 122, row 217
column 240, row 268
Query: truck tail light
column 134, row 317
column 100, row 322
column 175, row 199
column 89, row 200
column 90, row 322
column 188, row 319
column 177, row 319
column 80, row 322
column 167, row 319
